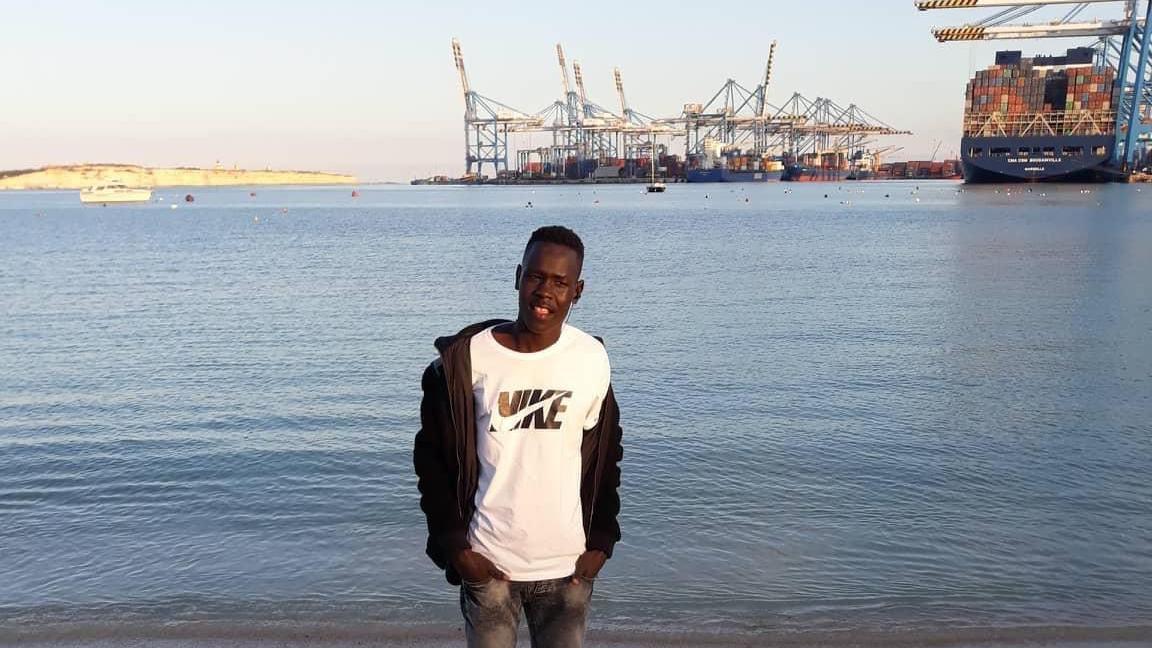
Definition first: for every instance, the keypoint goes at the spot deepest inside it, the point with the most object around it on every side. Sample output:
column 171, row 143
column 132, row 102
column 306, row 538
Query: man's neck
column 517, row 337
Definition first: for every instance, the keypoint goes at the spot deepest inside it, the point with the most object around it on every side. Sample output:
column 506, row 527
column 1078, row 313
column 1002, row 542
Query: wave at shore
column 211, row 635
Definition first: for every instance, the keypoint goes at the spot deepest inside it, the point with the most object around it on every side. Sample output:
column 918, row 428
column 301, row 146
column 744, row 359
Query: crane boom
column 1062, row 30
column 925, row 5
column 763, row 108
column 620, row 91
column 469, row 101
column 563, row 69
column 579, row 82
column 456, row 54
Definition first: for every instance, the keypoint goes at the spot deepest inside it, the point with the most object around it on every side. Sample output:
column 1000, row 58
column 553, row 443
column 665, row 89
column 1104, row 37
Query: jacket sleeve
column 437, row 469
column 604, row 529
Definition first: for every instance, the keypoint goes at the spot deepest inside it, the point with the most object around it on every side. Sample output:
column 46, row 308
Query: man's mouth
column 540, row 310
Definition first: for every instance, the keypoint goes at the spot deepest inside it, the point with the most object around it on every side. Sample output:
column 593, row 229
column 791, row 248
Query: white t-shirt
column 531, row 413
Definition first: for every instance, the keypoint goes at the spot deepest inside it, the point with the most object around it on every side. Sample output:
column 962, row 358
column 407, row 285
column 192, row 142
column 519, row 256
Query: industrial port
column 736, row 135
column 1080, row 115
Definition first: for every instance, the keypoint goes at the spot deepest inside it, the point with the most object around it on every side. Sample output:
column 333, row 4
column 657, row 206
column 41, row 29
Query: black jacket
column 449, row 470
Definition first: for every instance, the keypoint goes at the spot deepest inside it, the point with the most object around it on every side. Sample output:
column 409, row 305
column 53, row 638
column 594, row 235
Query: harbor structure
column 735, row 136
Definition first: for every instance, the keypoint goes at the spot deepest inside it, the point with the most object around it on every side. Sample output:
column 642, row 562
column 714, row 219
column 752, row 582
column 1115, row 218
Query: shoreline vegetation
column 79, row 176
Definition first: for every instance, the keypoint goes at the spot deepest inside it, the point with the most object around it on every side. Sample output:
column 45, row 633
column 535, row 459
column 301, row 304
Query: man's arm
column 604, row 530
column 436, row 471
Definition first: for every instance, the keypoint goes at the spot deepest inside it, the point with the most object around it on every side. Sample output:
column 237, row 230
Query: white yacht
column 114, row 193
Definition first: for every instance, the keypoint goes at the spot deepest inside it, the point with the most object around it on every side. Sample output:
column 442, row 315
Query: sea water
column 867, row 405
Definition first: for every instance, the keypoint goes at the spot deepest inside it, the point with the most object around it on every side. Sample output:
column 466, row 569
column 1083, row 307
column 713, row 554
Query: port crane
column 638, row 131
column 487, row 123
column 737, row 117
column 1122, row 44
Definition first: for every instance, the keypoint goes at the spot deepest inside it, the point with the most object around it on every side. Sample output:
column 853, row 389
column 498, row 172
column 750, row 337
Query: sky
column 370, row 88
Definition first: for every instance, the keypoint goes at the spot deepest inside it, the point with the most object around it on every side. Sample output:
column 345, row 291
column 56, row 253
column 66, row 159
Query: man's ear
column 579, row 290
column 519, row 269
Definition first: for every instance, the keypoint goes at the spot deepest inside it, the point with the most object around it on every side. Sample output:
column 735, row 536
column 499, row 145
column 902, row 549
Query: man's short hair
column 559, row 235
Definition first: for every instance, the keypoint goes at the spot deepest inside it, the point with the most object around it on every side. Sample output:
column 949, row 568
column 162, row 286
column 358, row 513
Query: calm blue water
column 929, row 409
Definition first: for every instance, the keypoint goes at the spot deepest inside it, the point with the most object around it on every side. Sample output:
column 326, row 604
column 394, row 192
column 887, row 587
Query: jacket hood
column 467, row 332
column 443, row 343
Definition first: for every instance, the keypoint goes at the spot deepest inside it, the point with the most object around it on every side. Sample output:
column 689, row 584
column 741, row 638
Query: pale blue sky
column 370, row 87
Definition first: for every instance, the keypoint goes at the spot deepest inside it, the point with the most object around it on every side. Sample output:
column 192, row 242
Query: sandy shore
column 216, row 635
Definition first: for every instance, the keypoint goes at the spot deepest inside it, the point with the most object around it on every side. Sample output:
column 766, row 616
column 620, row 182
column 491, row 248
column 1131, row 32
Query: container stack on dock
column 920, row 170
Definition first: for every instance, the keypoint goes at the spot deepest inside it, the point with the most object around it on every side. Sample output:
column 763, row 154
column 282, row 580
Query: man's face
column 549, row 281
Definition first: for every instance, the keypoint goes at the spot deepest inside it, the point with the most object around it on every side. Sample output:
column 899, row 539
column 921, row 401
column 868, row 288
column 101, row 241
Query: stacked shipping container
column 1056, row 87
column 1090, row 89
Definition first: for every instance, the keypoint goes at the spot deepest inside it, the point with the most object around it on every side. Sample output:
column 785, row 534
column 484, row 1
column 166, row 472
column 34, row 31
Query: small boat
column 653, row 186
column 114, row 193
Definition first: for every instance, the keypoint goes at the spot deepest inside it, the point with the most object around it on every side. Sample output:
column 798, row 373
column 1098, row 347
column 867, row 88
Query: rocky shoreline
column 86, row 175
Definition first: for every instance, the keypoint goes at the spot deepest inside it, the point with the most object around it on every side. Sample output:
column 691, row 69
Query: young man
column 518, row 458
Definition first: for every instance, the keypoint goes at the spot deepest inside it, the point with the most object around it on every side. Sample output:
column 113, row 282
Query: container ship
column 798, row 172
column 732, row 166
column 1040, row 119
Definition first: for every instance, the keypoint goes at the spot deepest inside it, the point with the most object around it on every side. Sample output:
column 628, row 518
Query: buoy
column 251, row 194
column 174, row 206
column 189, row 198
column 355, row 194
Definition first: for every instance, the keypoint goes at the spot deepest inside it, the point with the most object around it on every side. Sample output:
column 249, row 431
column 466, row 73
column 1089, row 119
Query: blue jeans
column 557, row 612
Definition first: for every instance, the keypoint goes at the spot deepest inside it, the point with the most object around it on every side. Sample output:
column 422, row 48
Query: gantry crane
column 739, row 118
column 487, row 123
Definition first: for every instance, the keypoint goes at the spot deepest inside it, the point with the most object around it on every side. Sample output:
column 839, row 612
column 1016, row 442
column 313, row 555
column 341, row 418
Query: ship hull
column 796, row 173
column 1064, row 158
column 726, row 175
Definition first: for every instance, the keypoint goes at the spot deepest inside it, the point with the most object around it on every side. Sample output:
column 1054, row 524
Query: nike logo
column 523, row 409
